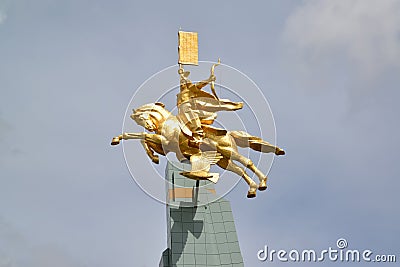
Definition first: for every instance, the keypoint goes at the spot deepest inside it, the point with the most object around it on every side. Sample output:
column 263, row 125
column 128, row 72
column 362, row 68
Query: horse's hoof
column 115, row 141
column 279, row 152
column 263, row 184
column 252, row 191
column 251, row 194
column 262, row 187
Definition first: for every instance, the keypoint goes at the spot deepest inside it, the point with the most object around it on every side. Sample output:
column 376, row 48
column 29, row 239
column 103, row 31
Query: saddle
column 208, row 129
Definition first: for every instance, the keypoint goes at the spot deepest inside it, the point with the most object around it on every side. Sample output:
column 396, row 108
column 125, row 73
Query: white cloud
column 365, row 33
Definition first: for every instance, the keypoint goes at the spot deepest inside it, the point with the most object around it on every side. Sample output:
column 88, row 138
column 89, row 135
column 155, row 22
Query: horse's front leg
column 150, row 152
column 126, row 136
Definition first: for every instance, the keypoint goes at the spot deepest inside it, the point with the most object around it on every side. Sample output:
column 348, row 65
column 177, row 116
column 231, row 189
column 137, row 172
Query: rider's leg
column 191, row 119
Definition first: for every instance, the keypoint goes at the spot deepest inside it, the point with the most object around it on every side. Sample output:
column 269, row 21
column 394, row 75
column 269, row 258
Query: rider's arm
column 203, row 83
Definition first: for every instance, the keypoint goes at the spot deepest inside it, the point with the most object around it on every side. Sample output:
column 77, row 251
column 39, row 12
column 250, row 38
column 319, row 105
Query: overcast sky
column 329, row 69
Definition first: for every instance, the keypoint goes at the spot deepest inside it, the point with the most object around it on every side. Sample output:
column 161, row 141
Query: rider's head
column 184, row 75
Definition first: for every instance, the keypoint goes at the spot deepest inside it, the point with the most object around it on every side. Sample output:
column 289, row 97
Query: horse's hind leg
column 229, row 165
column 250, row 165
column 265, row 147
column 244, row 139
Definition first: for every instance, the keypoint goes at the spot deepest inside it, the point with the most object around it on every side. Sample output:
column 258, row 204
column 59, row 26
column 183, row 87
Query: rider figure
column 196, row 106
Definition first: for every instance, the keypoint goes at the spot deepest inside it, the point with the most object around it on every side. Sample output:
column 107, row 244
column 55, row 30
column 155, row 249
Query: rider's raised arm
column 203, row 83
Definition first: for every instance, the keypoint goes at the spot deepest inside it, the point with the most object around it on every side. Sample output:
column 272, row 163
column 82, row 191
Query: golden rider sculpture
column 197, row 107
column 190, row 135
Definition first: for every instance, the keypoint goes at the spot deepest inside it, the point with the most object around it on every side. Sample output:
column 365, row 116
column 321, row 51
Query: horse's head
column 150, row 116
column 144, row 119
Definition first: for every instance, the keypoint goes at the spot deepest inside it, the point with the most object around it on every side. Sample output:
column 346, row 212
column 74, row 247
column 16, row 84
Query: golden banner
column 188, row 48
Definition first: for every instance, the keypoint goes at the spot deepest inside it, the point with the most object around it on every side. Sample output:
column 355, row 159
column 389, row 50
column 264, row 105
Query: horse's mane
column 157, row 110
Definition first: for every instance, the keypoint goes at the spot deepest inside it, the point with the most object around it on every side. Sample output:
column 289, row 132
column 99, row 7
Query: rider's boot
column 197, row 138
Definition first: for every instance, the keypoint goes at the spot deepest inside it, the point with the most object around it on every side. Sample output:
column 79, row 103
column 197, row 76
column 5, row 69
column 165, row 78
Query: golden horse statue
column 218, row 147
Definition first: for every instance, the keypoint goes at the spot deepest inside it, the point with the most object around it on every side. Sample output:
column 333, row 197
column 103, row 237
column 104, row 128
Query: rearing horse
column 169, row 136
